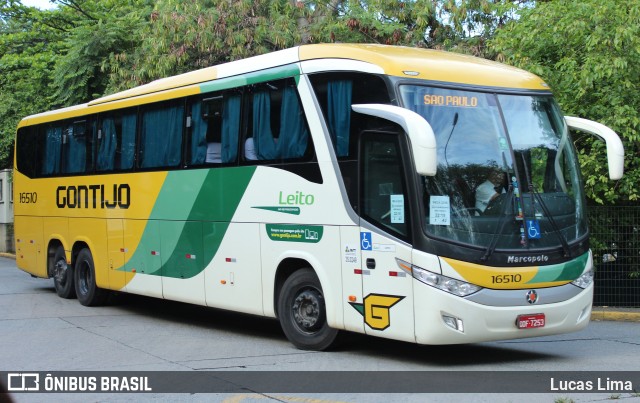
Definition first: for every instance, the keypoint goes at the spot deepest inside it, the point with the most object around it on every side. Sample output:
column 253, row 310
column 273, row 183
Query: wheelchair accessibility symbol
column 365, row 241
column 533, row 229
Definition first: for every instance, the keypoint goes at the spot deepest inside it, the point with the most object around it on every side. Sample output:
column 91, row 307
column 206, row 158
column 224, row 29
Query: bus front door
column 387, row 305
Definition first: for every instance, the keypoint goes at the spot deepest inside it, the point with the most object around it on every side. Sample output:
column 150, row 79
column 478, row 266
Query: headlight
column 444, row 283
column 584, row 280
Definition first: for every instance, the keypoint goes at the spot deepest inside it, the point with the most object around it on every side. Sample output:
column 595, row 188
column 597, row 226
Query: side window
column 26, row 150
column 336, row 92
column 214, row 127
column 384, row 199
column 277, row 127
column 51, row 149
column 116, row 143
column 65, row 148
column 77, row 147
column 161, row 135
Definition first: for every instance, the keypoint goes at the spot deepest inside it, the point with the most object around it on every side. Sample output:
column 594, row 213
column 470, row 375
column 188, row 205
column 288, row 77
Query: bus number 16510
column 28, row 197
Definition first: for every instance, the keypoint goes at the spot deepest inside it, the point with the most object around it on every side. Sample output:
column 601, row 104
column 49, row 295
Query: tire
column 85, row 281
column 62, row 274
column 302, row 312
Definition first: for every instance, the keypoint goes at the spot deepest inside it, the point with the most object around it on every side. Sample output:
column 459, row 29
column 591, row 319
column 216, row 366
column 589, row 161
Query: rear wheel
column 62, row 275
column 85, row 280
column 302, row 312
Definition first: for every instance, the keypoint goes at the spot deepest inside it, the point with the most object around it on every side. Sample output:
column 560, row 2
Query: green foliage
column 456, row 25
column 99, row 29
column 589, row 52
column 59, row 57
column 29, row 45
column 183, row 36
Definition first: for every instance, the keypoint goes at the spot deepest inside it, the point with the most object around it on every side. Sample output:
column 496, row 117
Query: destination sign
column 451, row 100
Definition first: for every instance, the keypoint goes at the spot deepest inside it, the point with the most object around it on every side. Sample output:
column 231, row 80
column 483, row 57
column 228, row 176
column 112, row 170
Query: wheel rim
column 307, row 310
column 60, row 272
column 84, row 277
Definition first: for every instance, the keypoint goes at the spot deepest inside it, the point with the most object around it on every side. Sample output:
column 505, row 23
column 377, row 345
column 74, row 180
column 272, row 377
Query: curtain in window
column 76, row 152
column 230, row 128
column 161, row 137
column 264, row 143
column 53, row 147
column 339, row 114
column 128, row 141
column 198, row 135
column 107, row 148
column 292, row 142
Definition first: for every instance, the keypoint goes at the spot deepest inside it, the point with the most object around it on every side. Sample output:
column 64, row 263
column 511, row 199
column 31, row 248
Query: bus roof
column 398, row 61
column 429, row 64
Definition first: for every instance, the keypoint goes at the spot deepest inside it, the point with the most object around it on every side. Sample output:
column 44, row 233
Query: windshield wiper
column 500, row 226
column 552, row 221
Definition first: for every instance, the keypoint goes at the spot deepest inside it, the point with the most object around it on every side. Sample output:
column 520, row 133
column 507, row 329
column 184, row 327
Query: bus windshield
column 508, row 175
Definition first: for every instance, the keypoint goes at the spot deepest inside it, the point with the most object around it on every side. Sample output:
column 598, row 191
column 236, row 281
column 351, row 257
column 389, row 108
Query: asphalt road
column 42, row 332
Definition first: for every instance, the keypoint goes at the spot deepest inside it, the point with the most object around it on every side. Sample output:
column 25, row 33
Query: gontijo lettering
column 93, row 196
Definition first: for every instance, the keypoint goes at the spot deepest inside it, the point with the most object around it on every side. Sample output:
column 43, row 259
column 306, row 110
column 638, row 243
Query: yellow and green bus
column 404, row 193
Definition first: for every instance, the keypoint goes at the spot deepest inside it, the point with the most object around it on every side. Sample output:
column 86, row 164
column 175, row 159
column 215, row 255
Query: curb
column 8, row 255
column 603, row 313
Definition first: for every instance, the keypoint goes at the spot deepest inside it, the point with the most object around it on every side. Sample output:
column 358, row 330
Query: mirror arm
column 423, row 141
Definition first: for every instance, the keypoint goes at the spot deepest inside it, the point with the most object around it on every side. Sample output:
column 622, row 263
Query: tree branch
column 77, row 7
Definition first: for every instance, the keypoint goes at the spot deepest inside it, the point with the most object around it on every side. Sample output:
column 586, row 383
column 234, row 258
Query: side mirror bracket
column 423, row 140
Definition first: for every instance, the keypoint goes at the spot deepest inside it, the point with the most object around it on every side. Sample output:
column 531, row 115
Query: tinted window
column 77, row 147
column 116, row 141
column 26, row 148
column 384, row 199
column 161, row 135
column 336, row 92
column 214, row 123
column 277, row 127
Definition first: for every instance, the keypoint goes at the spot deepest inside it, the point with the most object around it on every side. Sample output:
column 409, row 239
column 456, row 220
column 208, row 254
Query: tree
column 183, row 36
column 588, row 51
column 29, row 45
column 59, row 57
column 96, row 31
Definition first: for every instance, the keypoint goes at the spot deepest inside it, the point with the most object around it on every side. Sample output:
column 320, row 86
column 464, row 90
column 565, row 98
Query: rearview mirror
column 615, row 149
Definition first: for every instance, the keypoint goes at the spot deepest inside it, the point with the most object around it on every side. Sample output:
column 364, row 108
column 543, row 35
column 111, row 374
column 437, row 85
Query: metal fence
column 615, row 242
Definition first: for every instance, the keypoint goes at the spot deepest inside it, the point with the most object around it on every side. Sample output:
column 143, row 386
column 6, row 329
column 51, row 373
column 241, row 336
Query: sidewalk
column 598, row 313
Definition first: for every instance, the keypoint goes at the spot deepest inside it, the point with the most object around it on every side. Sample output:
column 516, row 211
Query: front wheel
column 62, row 275
column 302, row 312
column 85, row 279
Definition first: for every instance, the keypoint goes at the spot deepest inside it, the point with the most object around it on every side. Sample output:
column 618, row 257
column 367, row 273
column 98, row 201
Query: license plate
column 530, row 321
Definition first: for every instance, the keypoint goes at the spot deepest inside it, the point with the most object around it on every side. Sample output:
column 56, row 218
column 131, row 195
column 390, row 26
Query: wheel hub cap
column 60, row 271
column 306, row 309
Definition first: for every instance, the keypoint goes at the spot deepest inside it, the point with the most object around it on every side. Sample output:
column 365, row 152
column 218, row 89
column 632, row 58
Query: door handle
column 371, row 263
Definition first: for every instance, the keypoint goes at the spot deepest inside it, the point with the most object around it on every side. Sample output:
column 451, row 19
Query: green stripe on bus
column 275, row 73
column 567, row 271
column 200, row 203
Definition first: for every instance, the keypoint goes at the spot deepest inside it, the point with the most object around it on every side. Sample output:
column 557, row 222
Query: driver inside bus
column 489, row 190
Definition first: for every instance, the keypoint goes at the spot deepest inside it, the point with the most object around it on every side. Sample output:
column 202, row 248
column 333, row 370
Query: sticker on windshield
column 397, row 209
column 439, row 210
column 533, row 229
column 503, row 143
